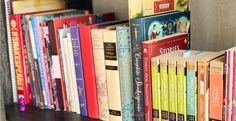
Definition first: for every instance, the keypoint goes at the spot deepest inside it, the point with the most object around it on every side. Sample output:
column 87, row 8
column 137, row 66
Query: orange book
column 216, row 88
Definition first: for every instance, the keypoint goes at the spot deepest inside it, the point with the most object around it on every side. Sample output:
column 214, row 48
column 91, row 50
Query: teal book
column 126, row 83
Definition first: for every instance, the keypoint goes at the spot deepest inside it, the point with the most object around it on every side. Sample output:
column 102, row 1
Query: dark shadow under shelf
column 35, row 114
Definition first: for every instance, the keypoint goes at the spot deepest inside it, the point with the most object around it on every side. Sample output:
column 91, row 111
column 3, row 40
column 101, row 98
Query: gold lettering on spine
column 17, row 56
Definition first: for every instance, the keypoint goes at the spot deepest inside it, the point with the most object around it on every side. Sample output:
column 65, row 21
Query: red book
column 23, row 87
column 163, row 5
column 154, row 48
column 89, row 70
column 234, row 86
column 59, row 23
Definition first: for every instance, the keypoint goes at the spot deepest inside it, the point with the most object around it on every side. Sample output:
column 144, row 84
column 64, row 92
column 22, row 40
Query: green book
column 172, row 90
column 164, row 90
column 156, row 91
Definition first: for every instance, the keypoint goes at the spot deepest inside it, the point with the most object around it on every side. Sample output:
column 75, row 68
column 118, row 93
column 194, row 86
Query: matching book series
column 117, row 70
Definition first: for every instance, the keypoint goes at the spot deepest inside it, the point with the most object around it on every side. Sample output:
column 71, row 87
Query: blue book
column 75, row 38
column 148, row 28
column 125, row 71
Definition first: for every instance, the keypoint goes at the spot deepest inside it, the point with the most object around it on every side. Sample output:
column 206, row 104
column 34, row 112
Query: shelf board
column 35, row 114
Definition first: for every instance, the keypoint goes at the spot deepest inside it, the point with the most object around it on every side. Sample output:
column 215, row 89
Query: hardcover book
column 143, row 29
column 154, row 48
column 203, row 87
column 75, row 38
column 216, row 89
column 112, row 74
column 100, row 72
column 125, row 72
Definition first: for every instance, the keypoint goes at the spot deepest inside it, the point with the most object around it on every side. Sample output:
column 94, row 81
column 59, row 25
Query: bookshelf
column 211, row 25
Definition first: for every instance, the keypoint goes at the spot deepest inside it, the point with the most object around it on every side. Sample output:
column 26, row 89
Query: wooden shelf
column 35, row 114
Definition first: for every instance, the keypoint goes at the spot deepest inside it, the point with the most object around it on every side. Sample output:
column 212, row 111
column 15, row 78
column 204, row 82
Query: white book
column 76, row 105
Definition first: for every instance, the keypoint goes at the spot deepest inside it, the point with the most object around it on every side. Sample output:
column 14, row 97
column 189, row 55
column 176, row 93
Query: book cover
column 112, row 74
column 142, row 8
column 154, row 48
column 156, row 89
column 100, row 72
column 56, row 24
column 19, row 59
column 181, row 90
column 89, row 70
column 125, row 72
column 192, row 90
column 203, row 85
column 23, row 6
column 164, row 90
column 143, row 29
column 75, row 38
column 216, row 89
column 172, row 78
column 73, row 74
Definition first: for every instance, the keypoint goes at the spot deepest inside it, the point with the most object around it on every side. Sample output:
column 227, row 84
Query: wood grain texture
column 213, row 24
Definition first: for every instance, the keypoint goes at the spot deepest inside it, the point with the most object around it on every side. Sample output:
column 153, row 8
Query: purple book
column 79, row 69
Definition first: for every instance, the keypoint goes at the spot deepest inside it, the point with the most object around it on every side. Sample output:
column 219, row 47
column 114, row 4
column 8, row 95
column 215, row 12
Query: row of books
column 62, row 63
column 188, row 85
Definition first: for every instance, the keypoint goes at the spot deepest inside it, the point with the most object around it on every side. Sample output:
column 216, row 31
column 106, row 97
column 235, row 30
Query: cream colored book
column 112, row 74
column 100, row 72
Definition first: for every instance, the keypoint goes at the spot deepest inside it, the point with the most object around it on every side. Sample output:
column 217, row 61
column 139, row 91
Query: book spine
column 216, row 91
column 64, row 56
column 37, row 37
column 181, row 87
column 172, row 90
column 89, row 70
column 79, row 70
column 32, row 63
column 202, row 88
column 146, row 52
column 191, row 91
column 138, row 84
column 125, row 71
column 45, row 41
column 112, row 74
column 73, row 74
column 55, row 68
column 225, row 108
column 37, row 64
column 10, row 50
column 62, row 69
column 135, row 8
column 234, row 87
column 230, row 85
column 18, row 51
column 100, row 72
column 164, row 90
column 156, row 92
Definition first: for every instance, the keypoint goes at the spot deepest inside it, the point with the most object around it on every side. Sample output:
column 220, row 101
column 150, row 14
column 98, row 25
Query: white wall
column 119, row 7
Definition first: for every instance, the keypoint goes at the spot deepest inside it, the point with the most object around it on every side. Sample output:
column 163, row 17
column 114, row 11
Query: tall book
column 100, row 72
column 154, row 48
column 146, row 28
column 125, row 72
column 216, row 89
column 112, row 74
column 75, row 38
column 203, row 85
column 56, row 24
column 156, row 89
column 19, row 59
column 89, row 70
column 230, row 82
